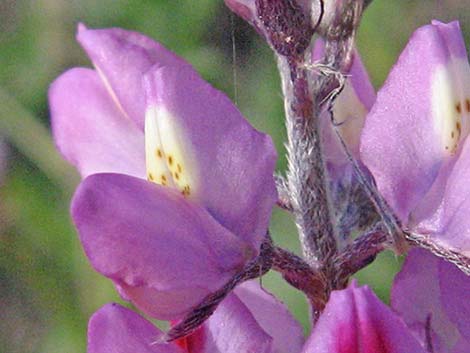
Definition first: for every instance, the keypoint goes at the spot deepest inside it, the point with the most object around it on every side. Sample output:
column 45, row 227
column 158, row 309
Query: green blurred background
column 47, row 288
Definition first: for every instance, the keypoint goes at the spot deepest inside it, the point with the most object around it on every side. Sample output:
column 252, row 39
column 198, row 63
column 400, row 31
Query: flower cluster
column 178, row 190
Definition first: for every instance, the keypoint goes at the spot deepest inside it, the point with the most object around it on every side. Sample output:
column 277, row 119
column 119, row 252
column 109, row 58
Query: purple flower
column 431, row 295
column 179, row 188
column 356, row 321
column 249, row 320
column 415, row 138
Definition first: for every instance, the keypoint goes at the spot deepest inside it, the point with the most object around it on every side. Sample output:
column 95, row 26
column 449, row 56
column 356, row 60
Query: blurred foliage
column 48, row 290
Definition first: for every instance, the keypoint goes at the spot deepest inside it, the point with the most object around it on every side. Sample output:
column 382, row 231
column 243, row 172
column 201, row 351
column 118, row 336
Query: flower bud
column 286, row 25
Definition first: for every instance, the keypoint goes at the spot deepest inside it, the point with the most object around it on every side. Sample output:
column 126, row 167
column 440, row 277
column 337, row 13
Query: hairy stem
column 283, row 193
column 306, row 175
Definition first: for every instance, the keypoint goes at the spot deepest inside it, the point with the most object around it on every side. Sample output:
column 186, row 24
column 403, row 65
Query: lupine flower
column 431, row 295
column 356, row 321
column 179, row 187
column 415, row 138
column 248, row 320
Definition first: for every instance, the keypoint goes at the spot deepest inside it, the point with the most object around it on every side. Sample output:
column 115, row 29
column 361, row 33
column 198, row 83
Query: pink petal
column 164, row 252
column 122, row 57
column 231, row 164
column 403, row 142
column 273, row 316
column 89, row 129
column 115, row 329
column 231, row 329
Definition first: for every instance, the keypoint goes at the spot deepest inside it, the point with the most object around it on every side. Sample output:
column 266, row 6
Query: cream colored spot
column 154, row 153
column 450, row 94
column 168, row 152
column 179, row 152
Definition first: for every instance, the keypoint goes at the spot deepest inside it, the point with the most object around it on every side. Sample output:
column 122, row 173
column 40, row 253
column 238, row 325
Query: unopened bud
column 285, row 24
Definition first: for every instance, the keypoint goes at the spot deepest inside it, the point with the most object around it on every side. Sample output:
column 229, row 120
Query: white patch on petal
column 170, row 157
column 157, row 170
column 451, row 103
column 179, row 153
column 349, row 113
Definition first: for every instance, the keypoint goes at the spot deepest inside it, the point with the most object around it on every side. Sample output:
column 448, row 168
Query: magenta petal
column 431, row 294
column 231, row 329
column 273, row 316
column 356, row 321
column 164, row 252
column 402, row 141
column 122, row 57
column 89, row 129
column 232, row 163
column 115, row 329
